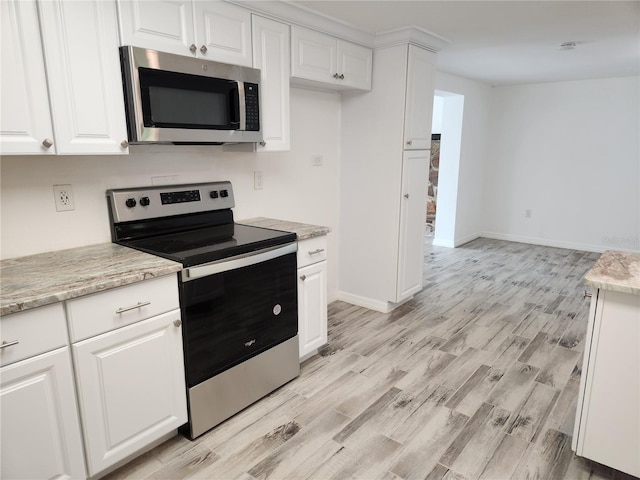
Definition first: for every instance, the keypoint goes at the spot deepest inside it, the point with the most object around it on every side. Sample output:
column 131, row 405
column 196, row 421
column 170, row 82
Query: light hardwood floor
column 475, row 378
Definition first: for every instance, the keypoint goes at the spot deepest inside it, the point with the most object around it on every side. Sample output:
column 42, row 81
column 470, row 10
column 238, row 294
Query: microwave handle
column 234, row 106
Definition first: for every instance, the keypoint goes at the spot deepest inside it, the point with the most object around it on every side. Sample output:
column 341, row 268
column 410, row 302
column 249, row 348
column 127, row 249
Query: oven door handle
column 236, row 262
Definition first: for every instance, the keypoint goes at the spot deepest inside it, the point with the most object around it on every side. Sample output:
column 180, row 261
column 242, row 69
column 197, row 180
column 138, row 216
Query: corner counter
column 46, row 278
column 607, row 426
column 303, row 231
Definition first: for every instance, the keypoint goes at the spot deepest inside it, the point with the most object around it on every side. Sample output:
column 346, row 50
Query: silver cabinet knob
column 263, row 143
column 124, row 144
column 177, row 323
column 336, row 76
column 409, row 142
column 406, row 195
column 47, row 143
column 193, row 48
column 341, row 76
column 203, row 49
column 303, row 277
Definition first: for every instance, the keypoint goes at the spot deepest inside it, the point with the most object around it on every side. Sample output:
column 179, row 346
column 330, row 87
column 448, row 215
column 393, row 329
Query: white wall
column 293, row 189
column 570, row 153
column 474, row 151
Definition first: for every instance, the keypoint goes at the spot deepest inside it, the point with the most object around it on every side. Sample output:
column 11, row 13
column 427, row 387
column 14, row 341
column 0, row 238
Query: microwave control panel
column 253, row 111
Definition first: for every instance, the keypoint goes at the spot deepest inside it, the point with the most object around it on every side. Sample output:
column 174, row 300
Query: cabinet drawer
column 105, row 311
column 312, row 250
column 37, row 331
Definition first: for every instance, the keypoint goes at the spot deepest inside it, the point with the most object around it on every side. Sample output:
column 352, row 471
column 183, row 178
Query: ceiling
column 510, row 42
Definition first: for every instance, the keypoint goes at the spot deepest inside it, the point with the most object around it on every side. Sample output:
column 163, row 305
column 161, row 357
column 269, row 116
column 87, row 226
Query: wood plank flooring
column 477, row 377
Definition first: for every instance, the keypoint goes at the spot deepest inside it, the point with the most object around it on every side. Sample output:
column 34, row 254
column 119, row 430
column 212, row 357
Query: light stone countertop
column 45, row 278
column 302, row 230
column 617, row 271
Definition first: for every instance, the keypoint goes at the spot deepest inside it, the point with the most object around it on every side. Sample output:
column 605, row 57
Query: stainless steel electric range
column 238, row 292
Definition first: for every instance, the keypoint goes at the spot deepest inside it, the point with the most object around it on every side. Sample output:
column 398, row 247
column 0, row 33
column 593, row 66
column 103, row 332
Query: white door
column 25, row 118
column 131, row 388
column 419, row 99
column 415, row 168
column 313, row 55
column 223, row 32
column 271, row 54
column 354, row 63
column 164, row 25
column 312, row 307
column 83, row 70
column 40, row 429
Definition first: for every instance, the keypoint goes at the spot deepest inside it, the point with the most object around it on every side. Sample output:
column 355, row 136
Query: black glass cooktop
column 212, row 243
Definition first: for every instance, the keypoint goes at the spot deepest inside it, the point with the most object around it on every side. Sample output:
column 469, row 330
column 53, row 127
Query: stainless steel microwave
column 174, row 99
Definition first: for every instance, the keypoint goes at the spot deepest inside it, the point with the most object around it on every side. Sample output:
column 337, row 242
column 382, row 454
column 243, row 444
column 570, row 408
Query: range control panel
column 129, row 204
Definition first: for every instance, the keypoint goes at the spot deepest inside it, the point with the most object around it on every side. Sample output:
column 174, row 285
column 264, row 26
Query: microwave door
column 234, row 107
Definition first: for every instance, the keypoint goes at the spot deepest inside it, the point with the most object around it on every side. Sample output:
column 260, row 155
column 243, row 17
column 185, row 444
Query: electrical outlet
column 257, row 180
column 63, row 195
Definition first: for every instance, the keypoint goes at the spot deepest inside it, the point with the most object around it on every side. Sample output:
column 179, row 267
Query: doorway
column 445, row 159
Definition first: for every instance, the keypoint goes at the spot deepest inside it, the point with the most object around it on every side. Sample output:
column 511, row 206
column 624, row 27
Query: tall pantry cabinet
column 385, row 158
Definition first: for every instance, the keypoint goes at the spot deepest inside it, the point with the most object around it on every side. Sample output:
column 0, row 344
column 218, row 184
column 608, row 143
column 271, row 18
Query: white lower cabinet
column 40, row 428
column 312, row 295
column 607, row 426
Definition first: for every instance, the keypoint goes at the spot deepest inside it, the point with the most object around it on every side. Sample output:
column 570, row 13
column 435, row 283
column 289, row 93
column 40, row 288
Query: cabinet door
column 312, row 307
column 40, row 429
column 313, row 55
column 419, row 99
column 608, row 414
column 413, row 208
column 165, row 25
column 131, row 388
column 223, row 32
column 25, row 118
column 271, row 54
column 354, row 63
column 83, row 68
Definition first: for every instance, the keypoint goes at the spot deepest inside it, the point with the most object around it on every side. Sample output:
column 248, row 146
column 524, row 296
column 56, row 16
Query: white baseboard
column 544, row 242
column 440, row 242
column 371, row 304
column 466, row 239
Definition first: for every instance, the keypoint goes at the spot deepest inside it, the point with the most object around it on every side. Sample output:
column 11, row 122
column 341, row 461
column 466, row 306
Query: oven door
column 237, row 308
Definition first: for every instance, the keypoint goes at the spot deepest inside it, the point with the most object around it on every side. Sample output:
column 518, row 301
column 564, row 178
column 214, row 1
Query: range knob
column 144, row 201
column 213, row 194
column 224, row 193
column 130, row 202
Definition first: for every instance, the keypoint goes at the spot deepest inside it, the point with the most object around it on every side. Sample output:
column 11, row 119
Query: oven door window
column 178, row 100
column 232, row 316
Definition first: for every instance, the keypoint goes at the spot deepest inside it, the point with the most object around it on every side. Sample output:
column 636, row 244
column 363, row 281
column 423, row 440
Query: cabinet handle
column 9, row 344
column 341, row 77
column 263, row 143
column 303, row 277
column 317, row 250
column 177, row 323
column 47, row 143
column 409, row 142
column 124, row 144
column 406, row 195
column 586, row 295
column 336, row 76
column 203, row 49
column 133, row 307
column 193, row 48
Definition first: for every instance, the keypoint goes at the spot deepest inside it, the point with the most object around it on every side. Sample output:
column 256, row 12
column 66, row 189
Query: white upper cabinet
column 334, row 63
column 214, row 30
column 80, row 42
column 419, row 99
column 271, row 54
column 25, row 118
